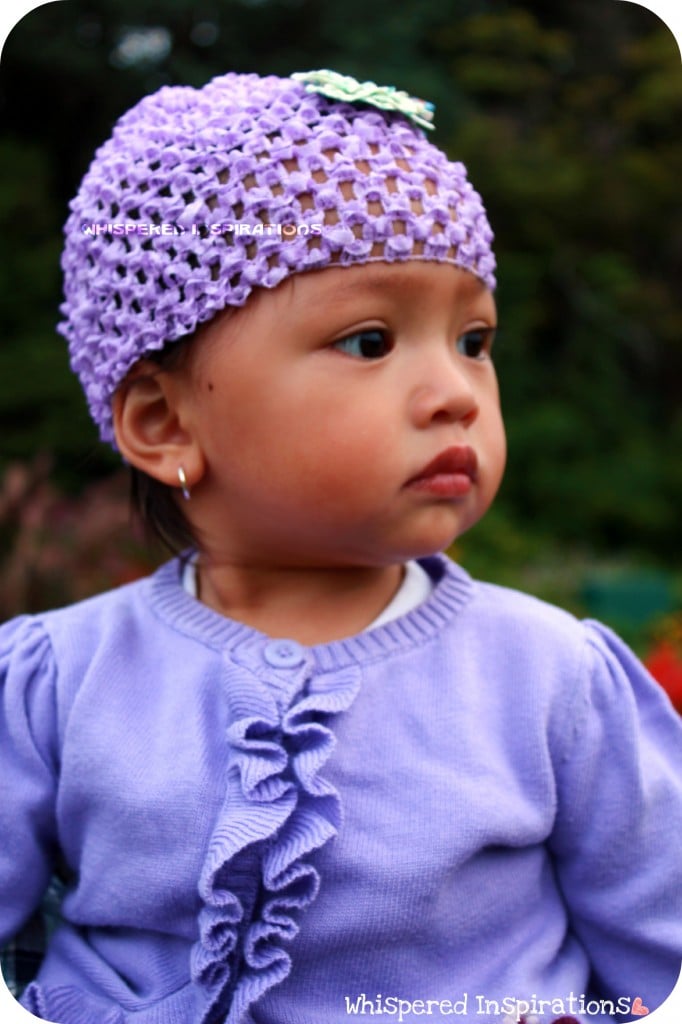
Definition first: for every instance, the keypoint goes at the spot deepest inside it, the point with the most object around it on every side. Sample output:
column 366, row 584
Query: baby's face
column 349, row 417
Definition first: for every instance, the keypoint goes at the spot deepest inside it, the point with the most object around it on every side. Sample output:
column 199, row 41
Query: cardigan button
column 283, row 654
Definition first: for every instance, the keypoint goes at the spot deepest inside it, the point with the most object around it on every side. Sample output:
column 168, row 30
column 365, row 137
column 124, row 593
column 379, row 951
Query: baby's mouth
column 451, row 474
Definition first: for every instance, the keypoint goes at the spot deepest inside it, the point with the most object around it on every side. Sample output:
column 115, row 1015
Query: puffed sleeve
column 619, row 823
column 28, row 770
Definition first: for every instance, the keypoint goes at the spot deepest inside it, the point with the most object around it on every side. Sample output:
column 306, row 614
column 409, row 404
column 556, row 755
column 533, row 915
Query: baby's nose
column 445, row 393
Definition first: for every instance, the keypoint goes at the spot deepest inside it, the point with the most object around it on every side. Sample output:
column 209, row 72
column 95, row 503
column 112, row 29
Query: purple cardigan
column 477, row 803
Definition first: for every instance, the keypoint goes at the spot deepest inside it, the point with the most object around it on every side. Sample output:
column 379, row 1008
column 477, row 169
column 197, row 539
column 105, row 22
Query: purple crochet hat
column 202, row 195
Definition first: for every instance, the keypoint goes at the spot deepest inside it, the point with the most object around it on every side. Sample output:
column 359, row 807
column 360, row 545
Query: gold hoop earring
column 183, row 484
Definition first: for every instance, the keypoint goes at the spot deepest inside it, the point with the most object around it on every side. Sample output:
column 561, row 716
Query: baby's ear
column 149, row 426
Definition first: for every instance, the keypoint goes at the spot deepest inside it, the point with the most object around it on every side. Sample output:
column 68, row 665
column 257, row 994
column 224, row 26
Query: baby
column 310, row 769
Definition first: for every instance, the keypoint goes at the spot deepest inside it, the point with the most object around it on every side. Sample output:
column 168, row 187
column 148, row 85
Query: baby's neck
column 311, row 606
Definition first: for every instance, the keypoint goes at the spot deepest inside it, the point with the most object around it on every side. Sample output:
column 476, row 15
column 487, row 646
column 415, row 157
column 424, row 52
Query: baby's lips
column 457, row 459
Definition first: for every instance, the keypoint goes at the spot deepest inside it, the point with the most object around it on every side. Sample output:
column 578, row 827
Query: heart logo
column 638, row 1007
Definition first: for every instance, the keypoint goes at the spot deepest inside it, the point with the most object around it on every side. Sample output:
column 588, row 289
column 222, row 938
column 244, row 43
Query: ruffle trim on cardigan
column 276, row 812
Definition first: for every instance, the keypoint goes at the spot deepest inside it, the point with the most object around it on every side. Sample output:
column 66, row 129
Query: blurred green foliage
column 567, row 116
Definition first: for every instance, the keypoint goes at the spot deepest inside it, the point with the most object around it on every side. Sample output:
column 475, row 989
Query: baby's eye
column 477, row 343
column 370, row 344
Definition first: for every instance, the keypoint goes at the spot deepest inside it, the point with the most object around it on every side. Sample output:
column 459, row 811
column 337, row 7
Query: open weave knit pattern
column 202, row 195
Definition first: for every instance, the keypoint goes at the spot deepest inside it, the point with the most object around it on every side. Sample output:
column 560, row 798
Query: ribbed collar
column 453, row 589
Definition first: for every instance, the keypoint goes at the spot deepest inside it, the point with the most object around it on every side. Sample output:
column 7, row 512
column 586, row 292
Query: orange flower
column 665, row 664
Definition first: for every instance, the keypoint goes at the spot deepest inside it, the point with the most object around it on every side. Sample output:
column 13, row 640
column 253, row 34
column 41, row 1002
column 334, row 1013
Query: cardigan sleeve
column 28, row 770
column 617, row 835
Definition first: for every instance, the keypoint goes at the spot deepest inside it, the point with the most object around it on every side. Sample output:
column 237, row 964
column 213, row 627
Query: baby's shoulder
column 506, row 633
column 116, row 609
column 68, row 637
column 518, row 611
column 506, row 614
column 529, row 636
column 45, row 657
column 522, row 634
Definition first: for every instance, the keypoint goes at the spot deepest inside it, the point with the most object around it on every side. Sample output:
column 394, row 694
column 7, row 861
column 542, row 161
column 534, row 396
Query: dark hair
column 158, row 510
column 153, row 503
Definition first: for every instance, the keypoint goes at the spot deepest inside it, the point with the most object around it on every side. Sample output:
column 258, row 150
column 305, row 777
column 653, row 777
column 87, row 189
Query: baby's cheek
column 493, row 460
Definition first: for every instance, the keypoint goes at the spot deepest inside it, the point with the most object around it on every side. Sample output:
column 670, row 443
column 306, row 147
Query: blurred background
column 567, row 116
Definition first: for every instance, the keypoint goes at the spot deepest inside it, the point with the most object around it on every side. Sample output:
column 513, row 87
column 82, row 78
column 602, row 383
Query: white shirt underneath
column 415, row 588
